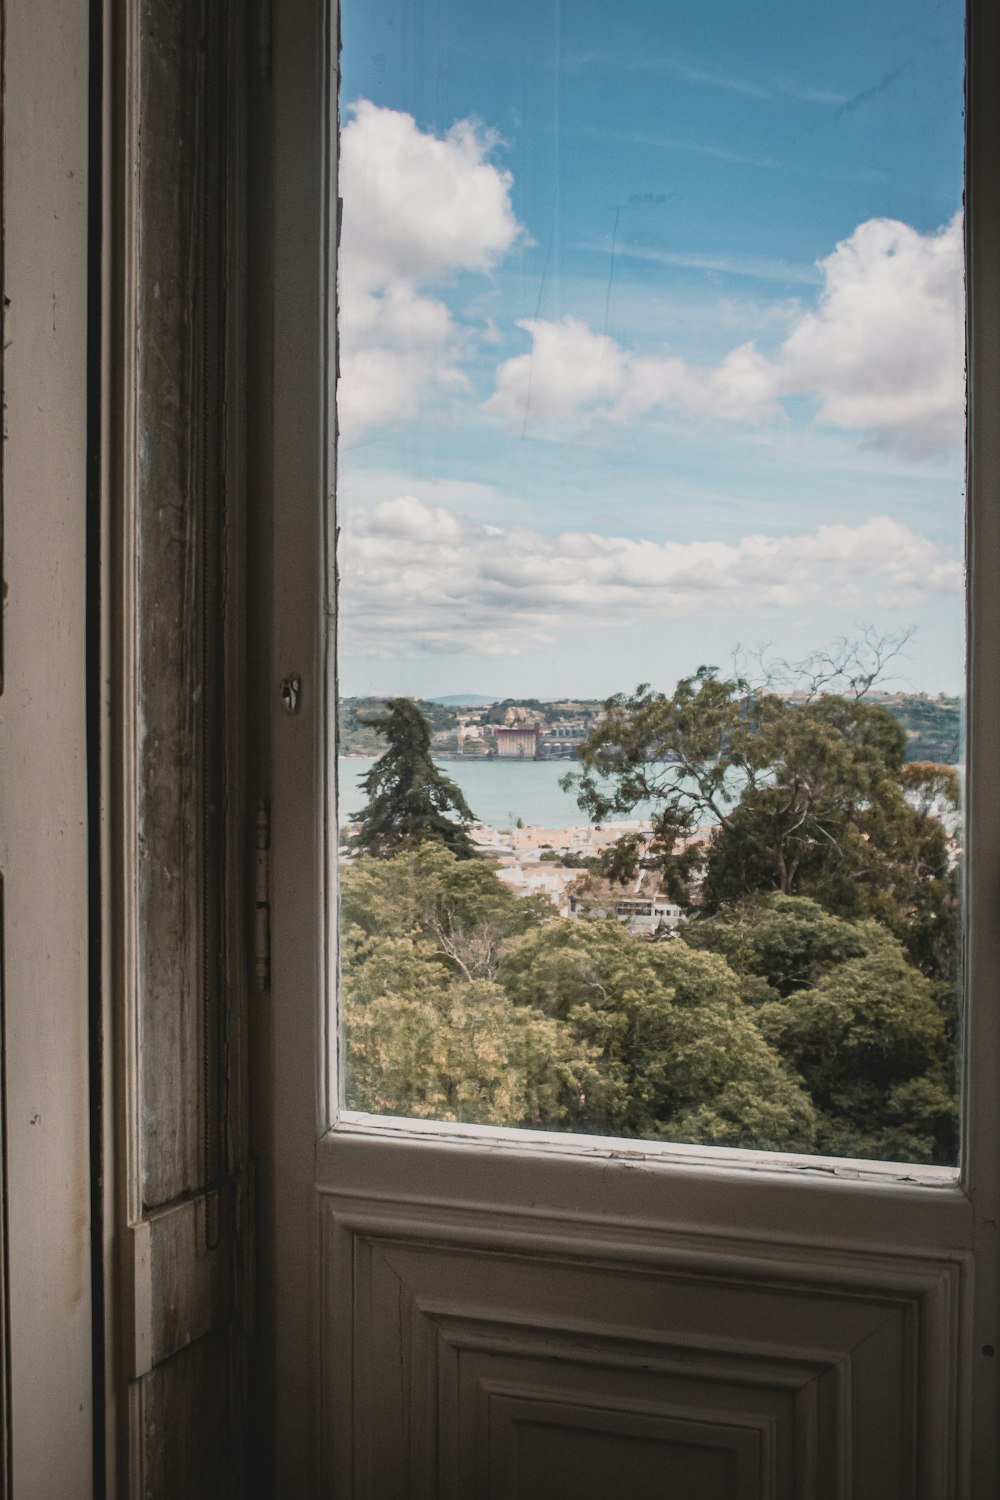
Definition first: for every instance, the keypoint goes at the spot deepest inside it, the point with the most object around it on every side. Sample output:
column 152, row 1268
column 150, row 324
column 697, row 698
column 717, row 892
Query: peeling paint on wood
column 187, row 1340
column 178, row 412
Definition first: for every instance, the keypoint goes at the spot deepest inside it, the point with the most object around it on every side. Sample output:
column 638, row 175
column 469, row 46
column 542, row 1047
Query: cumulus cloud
column 569, row 371
column 573, row 374
column 885, row 349
column 419, row 209
column 427, row 578
column 882, row 353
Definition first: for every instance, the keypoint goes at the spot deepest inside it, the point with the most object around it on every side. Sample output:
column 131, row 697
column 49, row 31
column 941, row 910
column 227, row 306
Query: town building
column 470, row 739
column 561, row 741
column 642, row 908
column 516, row 741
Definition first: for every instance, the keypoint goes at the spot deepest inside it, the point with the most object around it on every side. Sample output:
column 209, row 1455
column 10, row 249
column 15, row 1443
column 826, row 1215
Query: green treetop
column 777, row 1025
column 408, row 797
column 857, row 1023
column 428, row 1031
column 680, row 1057
column 804, row 799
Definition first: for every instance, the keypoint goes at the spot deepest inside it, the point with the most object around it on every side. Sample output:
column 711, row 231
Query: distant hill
column 460, row 700
column 933, row 726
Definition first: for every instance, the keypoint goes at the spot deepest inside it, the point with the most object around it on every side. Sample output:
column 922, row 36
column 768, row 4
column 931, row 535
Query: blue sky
column 613, row 399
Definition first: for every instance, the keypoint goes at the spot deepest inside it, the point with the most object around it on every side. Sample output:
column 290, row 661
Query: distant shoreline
column 478, row 760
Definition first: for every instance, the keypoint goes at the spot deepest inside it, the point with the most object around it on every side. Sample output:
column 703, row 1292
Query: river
column 498, row 791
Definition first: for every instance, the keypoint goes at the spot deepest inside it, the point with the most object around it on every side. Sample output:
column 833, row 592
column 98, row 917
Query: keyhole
column 291, row 689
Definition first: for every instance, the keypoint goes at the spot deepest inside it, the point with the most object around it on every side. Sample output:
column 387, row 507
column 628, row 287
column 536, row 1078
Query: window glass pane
column 651, row 633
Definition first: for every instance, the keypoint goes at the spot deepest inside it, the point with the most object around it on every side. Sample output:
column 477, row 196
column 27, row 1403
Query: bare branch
column 851, row 666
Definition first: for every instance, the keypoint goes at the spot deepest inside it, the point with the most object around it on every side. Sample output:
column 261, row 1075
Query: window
column 652, row 349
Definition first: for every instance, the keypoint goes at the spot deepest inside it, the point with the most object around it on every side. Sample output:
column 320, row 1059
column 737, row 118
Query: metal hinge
column 262, row 899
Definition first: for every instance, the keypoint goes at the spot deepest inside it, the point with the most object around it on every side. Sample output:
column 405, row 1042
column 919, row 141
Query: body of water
column 498, row 791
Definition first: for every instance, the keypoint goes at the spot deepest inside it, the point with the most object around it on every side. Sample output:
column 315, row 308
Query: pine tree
column 409, row 798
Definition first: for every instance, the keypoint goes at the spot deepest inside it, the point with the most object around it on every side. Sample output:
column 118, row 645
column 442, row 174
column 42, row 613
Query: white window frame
column 489, row 1179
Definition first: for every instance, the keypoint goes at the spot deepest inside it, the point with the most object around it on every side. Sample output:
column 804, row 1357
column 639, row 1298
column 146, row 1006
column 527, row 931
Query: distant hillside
column 933, row 727
column 460, row 700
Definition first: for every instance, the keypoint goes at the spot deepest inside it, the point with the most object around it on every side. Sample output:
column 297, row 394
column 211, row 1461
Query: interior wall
column 46, row 1411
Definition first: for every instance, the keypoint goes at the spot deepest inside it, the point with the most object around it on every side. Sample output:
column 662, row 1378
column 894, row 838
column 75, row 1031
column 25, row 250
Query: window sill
column 524, row 1178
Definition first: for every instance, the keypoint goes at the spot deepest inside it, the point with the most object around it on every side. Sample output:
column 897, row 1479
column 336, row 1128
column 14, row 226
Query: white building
column 644, row 913
column 517, row 741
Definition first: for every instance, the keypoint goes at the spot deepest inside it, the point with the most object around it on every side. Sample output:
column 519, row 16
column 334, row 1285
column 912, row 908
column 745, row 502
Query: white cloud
column 739, row 389
column 885, row 349
column 362, row 488
column 421, row 577
column 881, row 354
column 568, row 372
column 419, row 209
column 573, row 374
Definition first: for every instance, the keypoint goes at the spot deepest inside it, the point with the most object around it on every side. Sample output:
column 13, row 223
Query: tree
column 427, row 1031
column 420, row 1044
column 457, row 906
column 852, row 1017
column 849, row 667
column 409, row 798
column 929, row 930
column 872, row 1047
column 776, row 1025
column 680, row 1056
column 753, row 794
column 779, row 945
column 462, row 1001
